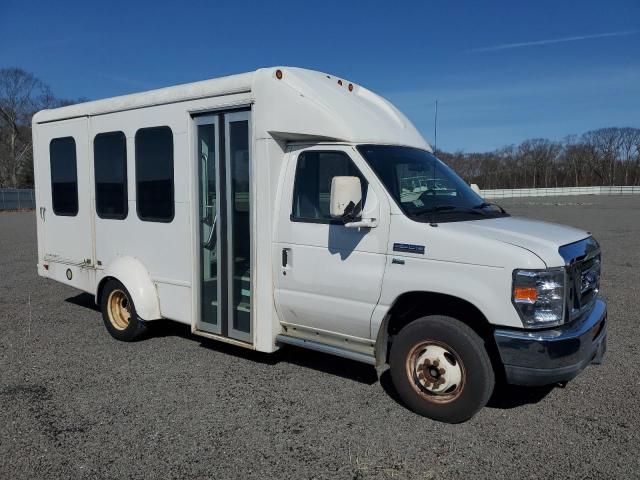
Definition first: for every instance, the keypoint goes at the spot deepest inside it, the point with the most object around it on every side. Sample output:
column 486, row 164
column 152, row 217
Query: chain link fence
column 17, row 199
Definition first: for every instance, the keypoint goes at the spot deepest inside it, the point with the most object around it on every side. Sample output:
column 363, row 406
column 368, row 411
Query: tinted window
column 64, row 176
column 154, row 174
column 312, row 189
column 110, row 159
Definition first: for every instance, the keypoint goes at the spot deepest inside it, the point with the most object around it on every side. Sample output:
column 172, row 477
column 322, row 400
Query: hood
column 541, row 238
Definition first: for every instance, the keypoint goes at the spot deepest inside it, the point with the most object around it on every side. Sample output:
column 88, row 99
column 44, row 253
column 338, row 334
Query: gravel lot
column 74, row 403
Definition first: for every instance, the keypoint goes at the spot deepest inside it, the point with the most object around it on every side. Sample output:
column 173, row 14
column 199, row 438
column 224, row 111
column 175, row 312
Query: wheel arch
column 134, row 276
column 412, row 305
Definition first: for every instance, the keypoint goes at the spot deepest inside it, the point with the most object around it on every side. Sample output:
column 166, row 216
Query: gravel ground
column 74, row 403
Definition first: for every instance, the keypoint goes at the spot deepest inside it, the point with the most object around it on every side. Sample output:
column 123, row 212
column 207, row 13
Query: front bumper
column 556, row 355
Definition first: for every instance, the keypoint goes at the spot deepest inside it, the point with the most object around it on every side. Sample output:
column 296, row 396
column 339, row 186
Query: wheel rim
column 119, row 309
column 436, row 372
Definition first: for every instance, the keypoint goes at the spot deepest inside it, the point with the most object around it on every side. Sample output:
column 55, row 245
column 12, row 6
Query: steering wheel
column 426, row 193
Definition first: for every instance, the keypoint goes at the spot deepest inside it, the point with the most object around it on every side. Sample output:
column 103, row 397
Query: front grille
column 582, row 261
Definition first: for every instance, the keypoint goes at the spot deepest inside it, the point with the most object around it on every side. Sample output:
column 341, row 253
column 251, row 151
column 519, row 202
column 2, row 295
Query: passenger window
column 312, row 188
column 110, row 162
column 154, row 174
column 64, row 176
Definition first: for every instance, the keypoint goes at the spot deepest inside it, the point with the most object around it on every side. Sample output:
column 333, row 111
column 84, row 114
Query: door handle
column 208, row 244
column 286, row 253
column 42, row 210
column 363, row 223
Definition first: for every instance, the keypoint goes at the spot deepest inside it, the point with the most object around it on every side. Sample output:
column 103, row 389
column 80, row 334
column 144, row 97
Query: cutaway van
column 288, row 206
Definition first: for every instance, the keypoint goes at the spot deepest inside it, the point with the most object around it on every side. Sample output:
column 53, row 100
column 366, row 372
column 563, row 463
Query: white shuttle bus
column 288, row 206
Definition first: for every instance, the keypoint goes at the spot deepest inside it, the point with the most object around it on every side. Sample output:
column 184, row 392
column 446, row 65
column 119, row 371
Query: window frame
column 173, row 177
column 323, row 221
column 125, row 180
column 75, row 159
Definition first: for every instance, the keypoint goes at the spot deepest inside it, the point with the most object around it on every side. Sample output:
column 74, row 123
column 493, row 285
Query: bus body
column 287, row 206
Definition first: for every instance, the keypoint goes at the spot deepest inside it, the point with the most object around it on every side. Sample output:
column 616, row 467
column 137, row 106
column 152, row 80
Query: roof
column 189, row 91
column 297, row 104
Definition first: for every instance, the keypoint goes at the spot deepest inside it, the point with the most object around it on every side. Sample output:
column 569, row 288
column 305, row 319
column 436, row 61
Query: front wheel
column 441, row 369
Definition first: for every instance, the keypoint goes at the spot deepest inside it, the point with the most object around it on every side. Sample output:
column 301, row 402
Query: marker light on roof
column 279, row 74
column 351, row 87
column 340, row 82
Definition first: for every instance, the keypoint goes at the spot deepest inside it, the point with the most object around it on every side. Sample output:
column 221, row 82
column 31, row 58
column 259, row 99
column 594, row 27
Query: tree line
column 607, row 156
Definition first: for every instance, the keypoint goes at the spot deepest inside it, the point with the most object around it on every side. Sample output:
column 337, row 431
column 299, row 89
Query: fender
column 433, row 303
column 136, row 279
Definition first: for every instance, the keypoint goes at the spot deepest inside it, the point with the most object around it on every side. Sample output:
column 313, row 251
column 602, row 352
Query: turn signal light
column 525, row 294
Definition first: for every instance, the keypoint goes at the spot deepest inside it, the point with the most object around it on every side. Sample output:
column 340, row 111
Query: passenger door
column 329, row 276
column 64, row 206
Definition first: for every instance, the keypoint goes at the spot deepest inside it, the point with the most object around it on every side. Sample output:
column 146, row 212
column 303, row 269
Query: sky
column 501, row 71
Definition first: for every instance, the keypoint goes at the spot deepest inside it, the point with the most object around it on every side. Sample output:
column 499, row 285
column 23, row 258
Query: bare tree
column 629, row 154
column 539, row 155
column 21, row 95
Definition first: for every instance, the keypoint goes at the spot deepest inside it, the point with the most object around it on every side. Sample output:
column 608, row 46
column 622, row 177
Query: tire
column 440, row 369
column 119, row 313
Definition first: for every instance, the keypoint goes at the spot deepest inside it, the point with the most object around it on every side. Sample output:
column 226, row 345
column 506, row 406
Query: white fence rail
column 17, row 199
column 24, row 198
column 561, row 191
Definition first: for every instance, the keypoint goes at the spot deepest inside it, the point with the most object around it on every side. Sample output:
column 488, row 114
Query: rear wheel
column 119, row 313
column 441, row 369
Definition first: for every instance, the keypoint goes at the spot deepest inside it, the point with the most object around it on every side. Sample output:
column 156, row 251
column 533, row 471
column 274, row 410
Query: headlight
column 538, row 296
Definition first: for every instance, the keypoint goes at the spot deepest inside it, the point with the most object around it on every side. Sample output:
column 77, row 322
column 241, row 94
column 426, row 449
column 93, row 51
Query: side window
column 312, row 188
column 64, row 176
column 154, row 174
column 110, row 161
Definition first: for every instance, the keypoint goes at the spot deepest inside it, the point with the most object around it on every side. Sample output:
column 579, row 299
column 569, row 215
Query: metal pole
column 435, row 129
column 2, row 191
column 19, row 202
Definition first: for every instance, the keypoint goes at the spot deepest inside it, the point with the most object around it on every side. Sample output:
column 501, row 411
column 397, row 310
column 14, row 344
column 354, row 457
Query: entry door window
column 209, row 226
column 237, row 133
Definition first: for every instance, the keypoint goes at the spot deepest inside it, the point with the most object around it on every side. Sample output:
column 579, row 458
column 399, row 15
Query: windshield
column 424, row 187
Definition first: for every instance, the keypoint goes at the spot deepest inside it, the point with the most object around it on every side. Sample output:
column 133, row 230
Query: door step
column 330, row 349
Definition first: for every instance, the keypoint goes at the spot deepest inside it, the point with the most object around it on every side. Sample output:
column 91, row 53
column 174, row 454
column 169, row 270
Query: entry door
column 224, row 233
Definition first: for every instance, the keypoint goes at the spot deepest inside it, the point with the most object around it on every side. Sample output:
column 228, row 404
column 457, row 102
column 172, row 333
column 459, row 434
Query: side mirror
column 346, row 198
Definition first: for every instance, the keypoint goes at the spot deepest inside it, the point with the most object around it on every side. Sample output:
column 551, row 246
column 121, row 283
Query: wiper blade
column 489, row 204
column 449, row 208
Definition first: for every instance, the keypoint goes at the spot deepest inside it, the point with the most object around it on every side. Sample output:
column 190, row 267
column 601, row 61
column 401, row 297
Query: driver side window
column 312, row 188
